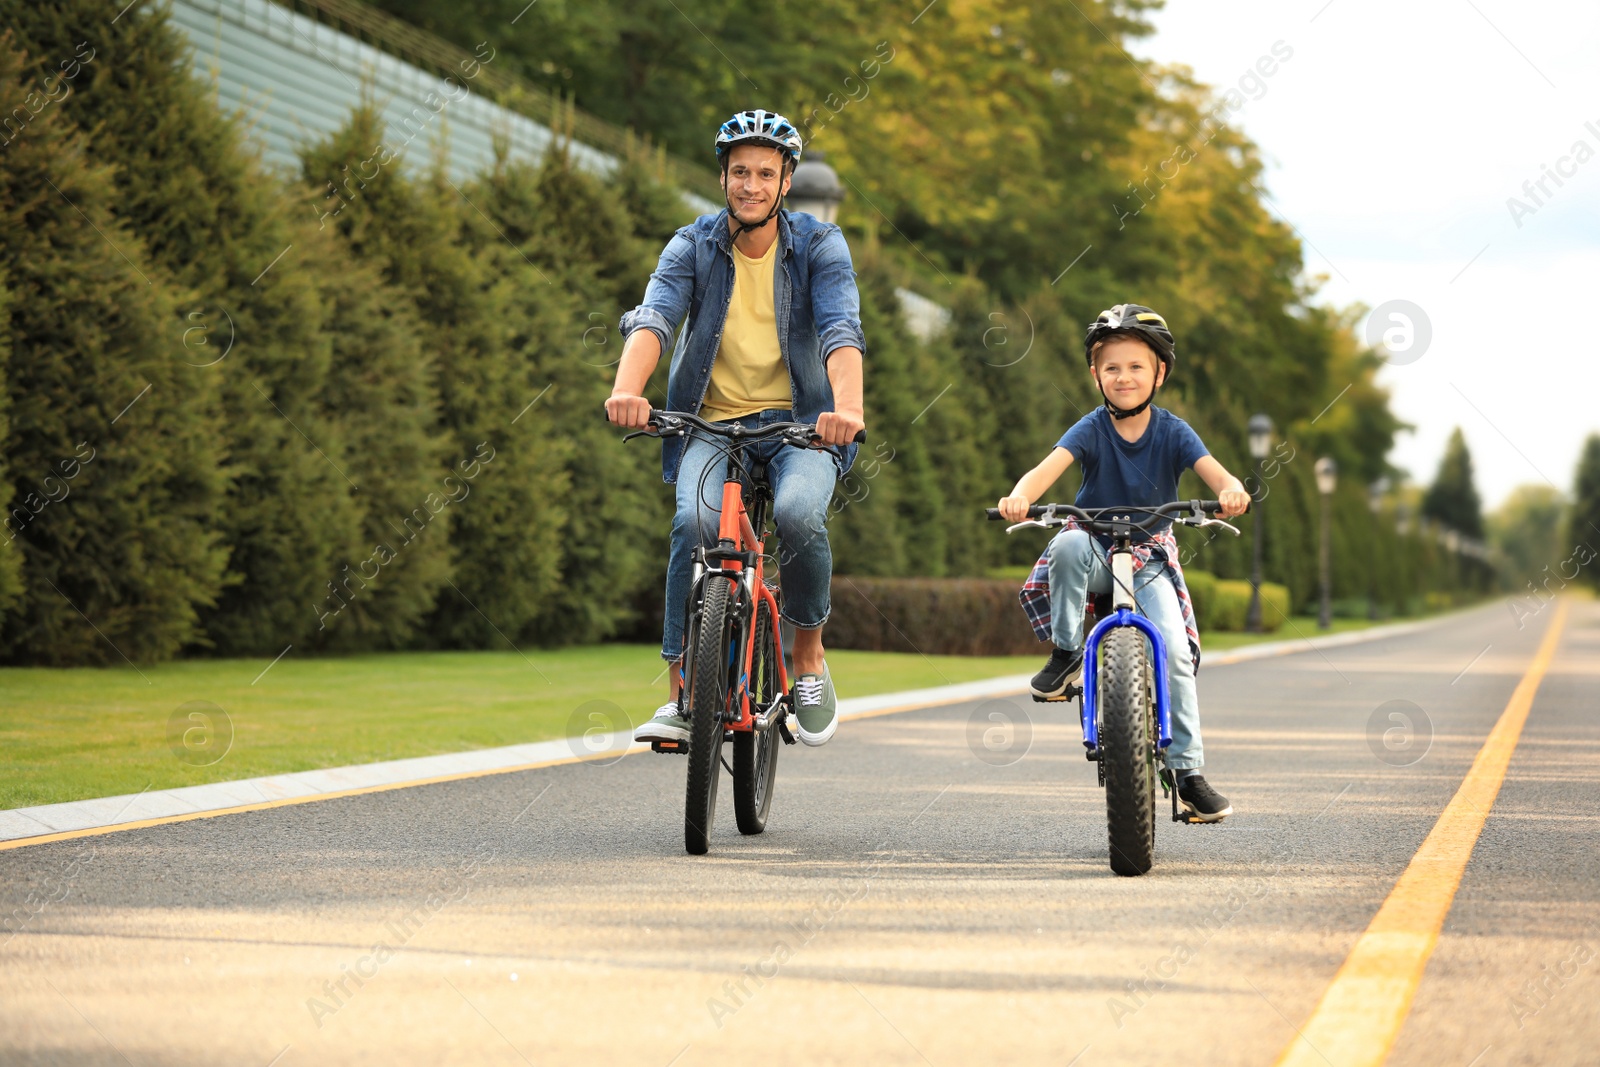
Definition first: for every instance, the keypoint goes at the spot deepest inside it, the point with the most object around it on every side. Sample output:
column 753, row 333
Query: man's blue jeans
column 1080, row 566
column 802, row 486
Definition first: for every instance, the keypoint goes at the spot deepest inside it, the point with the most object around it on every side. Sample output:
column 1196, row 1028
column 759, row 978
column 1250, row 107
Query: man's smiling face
column 754, row 181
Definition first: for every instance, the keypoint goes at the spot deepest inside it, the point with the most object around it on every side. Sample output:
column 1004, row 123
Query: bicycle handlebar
column 1101, row 518
column 671, row 424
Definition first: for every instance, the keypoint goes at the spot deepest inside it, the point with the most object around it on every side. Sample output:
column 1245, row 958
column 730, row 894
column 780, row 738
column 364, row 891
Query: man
column 773, row 334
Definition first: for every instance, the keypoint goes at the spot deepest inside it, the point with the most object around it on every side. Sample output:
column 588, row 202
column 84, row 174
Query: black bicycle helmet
column 1131, row 320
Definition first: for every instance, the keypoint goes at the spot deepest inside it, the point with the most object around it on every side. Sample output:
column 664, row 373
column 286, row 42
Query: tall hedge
column 112, row 449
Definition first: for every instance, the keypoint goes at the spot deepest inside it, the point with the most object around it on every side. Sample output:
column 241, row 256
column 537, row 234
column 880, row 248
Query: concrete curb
column 19, row 826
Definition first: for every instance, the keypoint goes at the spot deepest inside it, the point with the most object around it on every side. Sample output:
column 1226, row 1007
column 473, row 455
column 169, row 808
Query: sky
column 1394, row 136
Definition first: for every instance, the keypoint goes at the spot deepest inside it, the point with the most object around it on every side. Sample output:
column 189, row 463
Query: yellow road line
column 1361, row 1013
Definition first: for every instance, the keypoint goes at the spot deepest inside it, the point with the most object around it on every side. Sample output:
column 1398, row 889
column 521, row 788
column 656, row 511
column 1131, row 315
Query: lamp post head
column 1327, row 475
column 1260, row 427
column 816, row 189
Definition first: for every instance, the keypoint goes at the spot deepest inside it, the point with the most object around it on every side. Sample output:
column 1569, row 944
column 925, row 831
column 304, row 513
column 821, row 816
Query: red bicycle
column 735, row 682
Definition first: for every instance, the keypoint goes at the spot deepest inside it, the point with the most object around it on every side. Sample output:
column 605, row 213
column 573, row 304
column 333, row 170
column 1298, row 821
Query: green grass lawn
column 1296, row 627
column 76, row 733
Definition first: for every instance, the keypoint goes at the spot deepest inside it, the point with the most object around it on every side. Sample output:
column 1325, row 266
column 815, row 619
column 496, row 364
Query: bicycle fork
column 1123, row 614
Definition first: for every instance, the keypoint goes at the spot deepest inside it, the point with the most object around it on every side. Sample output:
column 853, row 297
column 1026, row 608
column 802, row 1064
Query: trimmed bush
column 933, row 616
column 1224, row 604
column 1203, row 592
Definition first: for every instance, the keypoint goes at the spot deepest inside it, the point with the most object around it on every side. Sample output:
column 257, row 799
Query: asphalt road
column 911, row 902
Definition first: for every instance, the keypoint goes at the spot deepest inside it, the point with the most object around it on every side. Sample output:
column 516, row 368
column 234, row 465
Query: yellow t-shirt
column 748, row 374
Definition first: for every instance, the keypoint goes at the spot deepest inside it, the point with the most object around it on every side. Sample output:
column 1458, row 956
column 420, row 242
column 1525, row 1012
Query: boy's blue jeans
column 802, row 486
column 1080, row 566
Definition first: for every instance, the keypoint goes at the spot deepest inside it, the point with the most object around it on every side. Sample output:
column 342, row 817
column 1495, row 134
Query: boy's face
column 1127, row 371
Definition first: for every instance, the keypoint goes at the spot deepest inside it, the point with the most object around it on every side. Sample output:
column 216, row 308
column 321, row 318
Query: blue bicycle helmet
column 760, row 127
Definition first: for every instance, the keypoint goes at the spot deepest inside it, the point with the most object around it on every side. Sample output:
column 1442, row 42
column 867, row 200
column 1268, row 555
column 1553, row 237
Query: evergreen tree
column 611, row 530
column 214, row 220
column 1452, row 499
column 111, row 447
column 10, row 556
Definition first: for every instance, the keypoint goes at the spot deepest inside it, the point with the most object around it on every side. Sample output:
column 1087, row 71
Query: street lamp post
column 1260, row 444
column 1327, row 478
column 1375, row 494
column 815, row 188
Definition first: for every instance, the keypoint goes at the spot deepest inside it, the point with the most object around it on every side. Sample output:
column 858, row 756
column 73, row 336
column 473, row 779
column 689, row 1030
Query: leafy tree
column 1528, row 530
column 1585, row 522
column 1452, row 499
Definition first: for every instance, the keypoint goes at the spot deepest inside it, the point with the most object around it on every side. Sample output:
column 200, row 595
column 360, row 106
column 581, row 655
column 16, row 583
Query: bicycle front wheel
column 1126, row 753
column 708, row 700
column 755, row 755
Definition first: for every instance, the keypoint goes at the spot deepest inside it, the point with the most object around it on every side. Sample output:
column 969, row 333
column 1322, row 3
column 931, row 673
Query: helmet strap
column 746, row 227
column 1120, row 413
column 1126, row 413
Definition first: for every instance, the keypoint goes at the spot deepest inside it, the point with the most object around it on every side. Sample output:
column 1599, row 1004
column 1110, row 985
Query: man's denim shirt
column 815, row 299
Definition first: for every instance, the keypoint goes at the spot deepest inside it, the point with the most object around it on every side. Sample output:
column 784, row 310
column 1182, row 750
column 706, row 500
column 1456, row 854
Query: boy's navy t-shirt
column 1142, row 473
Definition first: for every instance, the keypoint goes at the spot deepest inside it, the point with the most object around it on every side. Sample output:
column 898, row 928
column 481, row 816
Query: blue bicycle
column 1123, row 702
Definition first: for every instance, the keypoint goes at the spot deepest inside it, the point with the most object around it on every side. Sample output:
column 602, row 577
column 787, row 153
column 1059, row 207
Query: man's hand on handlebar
column 629, row 412
column 839, row 427
column 1013, row 508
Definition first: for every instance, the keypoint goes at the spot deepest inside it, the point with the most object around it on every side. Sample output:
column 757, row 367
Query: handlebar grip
column 861, row 437
column 1214, row 507
column 1033, row 512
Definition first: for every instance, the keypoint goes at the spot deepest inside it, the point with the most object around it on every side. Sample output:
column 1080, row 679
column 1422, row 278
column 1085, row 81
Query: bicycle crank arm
column 771, row 716
column 1072, row 692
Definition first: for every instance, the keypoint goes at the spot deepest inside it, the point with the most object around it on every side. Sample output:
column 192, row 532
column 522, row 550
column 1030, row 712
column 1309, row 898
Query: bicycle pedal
column 679, row 747
column 1072, row 692
column 783, row 731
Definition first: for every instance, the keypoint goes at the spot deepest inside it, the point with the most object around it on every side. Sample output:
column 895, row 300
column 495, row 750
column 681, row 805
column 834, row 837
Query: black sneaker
column 1203, row 803
column 1063, row 670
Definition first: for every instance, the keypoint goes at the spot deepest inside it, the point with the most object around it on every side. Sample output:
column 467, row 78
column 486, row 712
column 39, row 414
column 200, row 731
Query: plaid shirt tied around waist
column 1035, row 592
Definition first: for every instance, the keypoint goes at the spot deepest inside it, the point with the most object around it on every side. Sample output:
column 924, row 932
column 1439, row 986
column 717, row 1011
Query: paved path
column 919, row 898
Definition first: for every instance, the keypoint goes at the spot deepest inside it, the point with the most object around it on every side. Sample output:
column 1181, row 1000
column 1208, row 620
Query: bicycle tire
column 1124, row 703
column 755, row 755
column 708, row 698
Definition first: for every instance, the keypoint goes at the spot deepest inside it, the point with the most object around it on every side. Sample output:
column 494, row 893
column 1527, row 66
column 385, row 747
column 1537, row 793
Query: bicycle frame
column 740, row 555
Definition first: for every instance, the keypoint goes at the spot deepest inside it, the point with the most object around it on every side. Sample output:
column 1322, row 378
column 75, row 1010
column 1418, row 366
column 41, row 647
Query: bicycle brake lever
column 1028, row 522
column 641, row 433
column 1216, row 522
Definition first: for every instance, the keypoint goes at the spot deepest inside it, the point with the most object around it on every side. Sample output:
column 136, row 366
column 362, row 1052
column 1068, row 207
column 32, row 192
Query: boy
column 1132, row 453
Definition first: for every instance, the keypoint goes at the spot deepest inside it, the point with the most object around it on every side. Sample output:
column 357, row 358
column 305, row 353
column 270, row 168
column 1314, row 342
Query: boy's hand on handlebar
column 1013, row 508
column 629, row 412
column 839, row 427
column 1234, row 502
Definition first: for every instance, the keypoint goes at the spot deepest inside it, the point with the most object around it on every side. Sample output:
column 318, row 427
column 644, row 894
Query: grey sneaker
column 816, row 707
column 668, row 724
